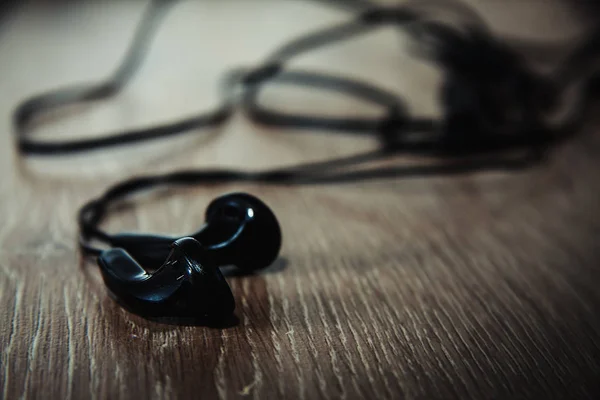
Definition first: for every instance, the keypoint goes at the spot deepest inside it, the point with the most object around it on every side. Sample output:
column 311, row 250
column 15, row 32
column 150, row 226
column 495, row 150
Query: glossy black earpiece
column 185, row 285
column 240, row 230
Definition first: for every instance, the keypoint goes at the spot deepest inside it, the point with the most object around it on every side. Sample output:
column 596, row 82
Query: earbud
column 184, row 286
column 156, row 275
column 240, row 230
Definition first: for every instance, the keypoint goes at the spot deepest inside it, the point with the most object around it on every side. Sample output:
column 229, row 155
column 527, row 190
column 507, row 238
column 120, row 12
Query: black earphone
column 491, row 101
column 160, row 276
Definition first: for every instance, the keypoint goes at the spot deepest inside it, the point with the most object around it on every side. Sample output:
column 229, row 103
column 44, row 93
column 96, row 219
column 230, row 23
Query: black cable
column 31, row 108
column 352, row 5
column 483, row 78
column 351, row 87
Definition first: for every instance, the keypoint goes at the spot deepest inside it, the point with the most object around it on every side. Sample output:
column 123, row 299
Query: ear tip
column 267, row 236
column 273, row 245
column 262, row 238
column 257, row 205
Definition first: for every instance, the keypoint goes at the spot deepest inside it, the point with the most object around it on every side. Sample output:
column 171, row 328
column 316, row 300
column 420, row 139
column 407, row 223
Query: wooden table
column 482, row 285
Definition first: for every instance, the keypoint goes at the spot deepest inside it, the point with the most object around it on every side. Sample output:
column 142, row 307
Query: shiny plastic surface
column 183, row 286
column 240, row 230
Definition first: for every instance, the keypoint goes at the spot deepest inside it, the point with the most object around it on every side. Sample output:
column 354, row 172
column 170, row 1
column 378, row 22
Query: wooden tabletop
column 482, row 285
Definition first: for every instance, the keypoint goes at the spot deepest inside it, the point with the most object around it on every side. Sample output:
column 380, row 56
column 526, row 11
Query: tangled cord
column 493, row 102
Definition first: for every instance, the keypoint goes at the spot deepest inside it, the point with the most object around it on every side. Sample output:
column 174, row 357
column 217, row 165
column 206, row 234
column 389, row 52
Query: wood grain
column 475, row 286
